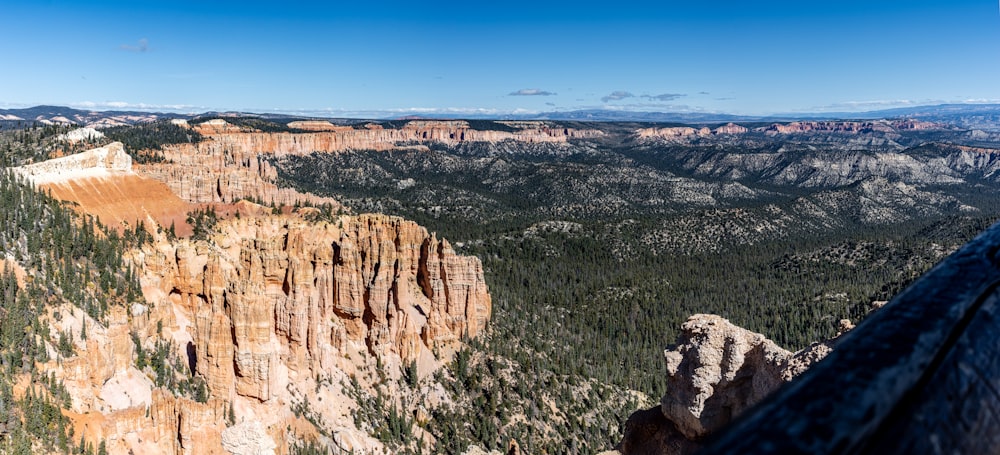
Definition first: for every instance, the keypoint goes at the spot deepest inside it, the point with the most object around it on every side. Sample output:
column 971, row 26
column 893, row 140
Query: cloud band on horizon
column 619, row 95
column 531, row 92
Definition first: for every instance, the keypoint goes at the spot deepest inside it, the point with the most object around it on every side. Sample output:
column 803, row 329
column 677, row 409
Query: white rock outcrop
column 99, row 162
column 716, row 371
column 81, row 134
column 248, row 438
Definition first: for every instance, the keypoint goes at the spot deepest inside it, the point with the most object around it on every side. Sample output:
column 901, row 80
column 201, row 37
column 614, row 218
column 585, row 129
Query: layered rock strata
column 231, row 164
column 104, row 161
column 115, row 402
column 275, row 313
column 221, row 176
column 849, row 127
column 102, row 183
column 279, row 292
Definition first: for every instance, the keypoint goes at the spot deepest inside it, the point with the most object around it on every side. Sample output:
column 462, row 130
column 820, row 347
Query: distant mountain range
column 970, row 116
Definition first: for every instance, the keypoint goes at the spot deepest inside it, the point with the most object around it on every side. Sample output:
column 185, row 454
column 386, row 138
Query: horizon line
column 473, row 113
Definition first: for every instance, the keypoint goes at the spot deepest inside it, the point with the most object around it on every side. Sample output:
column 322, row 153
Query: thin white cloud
column 141, row 46
column 617, row 95
column 980, row 101
column 879, row 103
column 531, row 92
column 10, row 105
column 126, row 106
column 396, row 112
column 648, row 107
column 664, row 96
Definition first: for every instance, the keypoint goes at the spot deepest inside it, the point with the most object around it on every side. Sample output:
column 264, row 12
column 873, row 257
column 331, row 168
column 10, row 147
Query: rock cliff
column 99, row 162
column 210, row 175
column 122, row 200
column 276, row 314
column 101, row 182
column 280, row 290
column 846, row 127
column 673, row 132
column 716, row 371
column 884, row 126
column 112, row 400
column 232, row 164
column 316, row 125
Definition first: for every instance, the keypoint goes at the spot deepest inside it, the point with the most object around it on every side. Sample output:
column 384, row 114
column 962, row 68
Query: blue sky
column 389, row 58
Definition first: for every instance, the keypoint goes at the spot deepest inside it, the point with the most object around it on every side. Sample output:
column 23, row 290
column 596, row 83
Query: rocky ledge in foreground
column 716, row 371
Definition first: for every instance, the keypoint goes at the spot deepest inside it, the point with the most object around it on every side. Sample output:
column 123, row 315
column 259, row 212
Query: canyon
column 621, row 238
column 275, row 313
column 279, row 313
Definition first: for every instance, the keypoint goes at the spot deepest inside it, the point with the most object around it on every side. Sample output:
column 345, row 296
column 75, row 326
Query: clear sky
column 383, row 57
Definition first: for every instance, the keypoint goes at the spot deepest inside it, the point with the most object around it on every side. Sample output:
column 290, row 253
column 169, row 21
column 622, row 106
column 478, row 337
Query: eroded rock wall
column 278, row 292
column 277, row 314
column 231, row 164
column 847, row 127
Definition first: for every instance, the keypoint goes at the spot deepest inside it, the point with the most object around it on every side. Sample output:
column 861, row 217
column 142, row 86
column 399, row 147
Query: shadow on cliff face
column 192, row 358
column 649, row 432
column 758, row 377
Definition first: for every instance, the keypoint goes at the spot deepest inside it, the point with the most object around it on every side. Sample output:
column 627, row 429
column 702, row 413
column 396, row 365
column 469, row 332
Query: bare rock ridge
column 210, row 175
column 232, row 163
column 99, row 162
column 376, row 137
column 102, row 183
column 717, row 371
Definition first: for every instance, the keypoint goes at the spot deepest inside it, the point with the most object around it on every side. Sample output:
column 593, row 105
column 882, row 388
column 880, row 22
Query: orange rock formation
column 279, row 290
column 272, row 311
column 101, row 182
column 124, row 199
column 230, row 164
